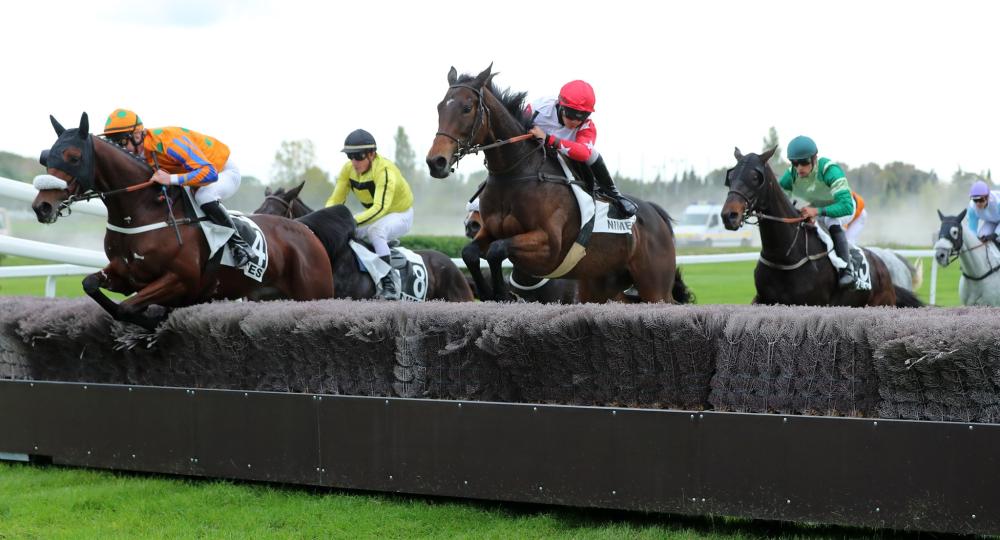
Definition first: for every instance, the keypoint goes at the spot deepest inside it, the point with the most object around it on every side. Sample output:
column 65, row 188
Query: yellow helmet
column 121, row 121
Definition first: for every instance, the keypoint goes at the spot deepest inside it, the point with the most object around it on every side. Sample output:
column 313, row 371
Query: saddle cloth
column 862, row 273
column 409, row 265
column 599, row 210
column 218, row 238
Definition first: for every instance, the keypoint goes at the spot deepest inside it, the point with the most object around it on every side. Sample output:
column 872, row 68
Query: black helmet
column 359, row 141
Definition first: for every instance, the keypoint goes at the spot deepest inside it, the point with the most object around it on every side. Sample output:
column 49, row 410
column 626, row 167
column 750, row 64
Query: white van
column 701, row 225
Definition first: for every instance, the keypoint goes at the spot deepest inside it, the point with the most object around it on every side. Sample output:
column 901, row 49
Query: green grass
column 723, row 283
column 56, row 502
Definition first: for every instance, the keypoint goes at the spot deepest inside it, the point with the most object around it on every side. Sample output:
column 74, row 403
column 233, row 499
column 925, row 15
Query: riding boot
column 607, row 186
column 242, row 253
column 389, row 289
column 846, row 274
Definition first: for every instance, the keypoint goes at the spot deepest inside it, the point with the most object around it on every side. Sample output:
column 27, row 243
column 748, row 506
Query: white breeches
column 223, row 188
column 851, row 232
column 386, row 228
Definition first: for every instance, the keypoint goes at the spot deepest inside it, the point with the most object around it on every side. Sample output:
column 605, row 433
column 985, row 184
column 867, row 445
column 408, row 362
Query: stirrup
column 845, row 278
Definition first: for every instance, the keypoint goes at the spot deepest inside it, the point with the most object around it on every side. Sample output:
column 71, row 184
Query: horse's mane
column 334, row 226
column 513, row 101
column 117, row 148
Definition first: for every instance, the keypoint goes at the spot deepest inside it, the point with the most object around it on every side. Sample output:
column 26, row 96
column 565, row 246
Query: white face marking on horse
column 137, row 257
column 449, row 102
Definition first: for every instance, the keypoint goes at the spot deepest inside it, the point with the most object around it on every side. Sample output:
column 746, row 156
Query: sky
column 678, row 84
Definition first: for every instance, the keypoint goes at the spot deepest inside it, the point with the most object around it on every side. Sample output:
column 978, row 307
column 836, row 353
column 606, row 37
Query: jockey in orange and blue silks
column 984, row 212
column 182, row 157
column 564, row 124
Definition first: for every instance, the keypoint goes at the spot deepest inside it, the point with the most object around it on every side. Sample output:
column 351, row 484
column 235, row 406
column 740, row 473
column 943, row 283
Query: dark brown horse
column 337, row 226
column 530, row 215
column 155, row 265
column 794, row 267
column 523, row 286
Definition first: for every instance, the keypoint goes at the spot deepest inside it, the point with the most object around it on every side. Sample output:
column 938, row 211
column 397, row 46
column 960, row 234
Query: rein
column 955, row 254
column 483, row 116
column 751, row 211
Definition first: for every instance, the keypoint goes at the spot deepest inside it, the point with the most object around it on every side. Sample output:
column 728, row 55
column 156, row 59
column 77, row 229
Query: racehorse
column 530, row 215
column 444, row 279
column 525, row 287
column 979, row 262
column 794, row 266
column 167, row 264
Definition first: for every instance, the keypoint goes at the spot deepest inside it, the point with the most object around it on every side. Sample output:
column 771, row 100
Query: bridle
column 482, row 117
column 751, row 211
column 288, row 206
column 956, row 252
column 89, row 194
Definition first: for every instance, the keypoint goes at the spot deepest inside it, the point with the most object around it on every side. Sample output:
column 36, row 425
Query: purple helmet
column 979, row 189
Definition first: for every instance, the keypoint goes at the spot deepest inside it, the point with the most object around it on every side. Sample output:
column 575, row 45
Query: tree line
column 440, row 204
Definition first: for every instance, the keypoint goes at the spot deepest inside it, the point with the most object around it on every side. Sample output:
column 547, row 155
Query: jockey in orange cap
column 182, row 157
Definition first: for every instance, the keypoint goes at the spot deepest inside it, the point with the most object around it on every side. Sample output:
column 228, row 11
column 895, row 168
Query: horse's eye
column 954, row 233
column 467, row 109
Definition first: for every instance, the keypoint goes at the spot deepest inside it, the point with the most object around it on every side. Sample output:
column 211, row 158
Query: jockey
column 381, row 189
column 564, row 124
column 182, row 157
column 984, row 212
column 823, row 185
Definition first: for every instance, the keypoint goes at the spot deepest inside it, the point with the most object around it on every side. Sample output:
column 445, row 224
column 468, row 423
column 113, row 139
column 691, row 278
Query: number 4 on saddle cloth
column 410, row 273
column 218, row 238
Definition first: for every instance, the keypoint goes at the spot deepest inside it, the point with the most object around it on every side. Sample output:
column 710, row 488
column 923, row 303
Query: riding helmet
column 577, row 95
column 359, row 141
column 121, row 121
column 979, row 189
column 802, row 147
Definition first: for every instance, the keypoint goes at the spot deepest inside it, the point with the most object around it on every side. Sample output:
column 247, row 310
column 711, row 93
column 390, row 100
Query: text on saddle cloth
column 410, row 265
column 862, row 271
column 218, row 238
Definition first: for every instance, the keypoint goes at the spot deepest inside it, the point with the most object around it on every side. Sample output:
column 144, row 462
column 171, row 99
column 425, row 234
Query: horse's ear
column 737, row 154
column 766, row 156
column 962, row 215
column 267, row 191
column 84, row 130
column 452, row 75
column 485, row 75
column 294, row 192
column 56, row 126
column 940, row 215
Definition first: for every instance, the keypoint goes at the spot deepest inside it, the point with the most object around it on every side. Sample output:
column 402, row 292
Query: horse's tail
column 918, row 274
column 681, row 293
column 905, row 298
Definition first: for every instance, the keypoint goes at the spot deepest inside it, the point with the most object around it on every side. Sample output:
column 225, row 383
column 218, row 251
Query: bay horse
column 165, row 267
column 979, row 262
column 445, row 280
column 530, row 214
column 525, row 287
column 794, row 267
